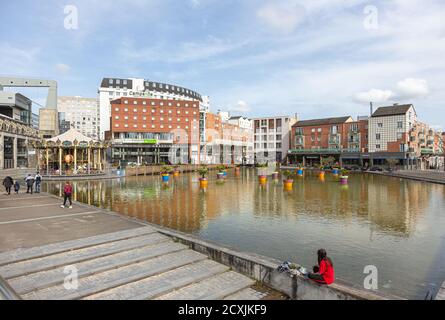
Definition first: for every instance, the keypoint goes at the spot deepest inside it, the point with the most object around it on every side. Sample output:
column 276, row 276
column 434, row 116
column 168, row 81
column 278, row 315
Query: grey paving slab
column 36, row 252
column 117, row 277
column 247, row 294
column 160, row 284
column 216, row 288
column 78, row 255
column 9, row 215
column 43, row 279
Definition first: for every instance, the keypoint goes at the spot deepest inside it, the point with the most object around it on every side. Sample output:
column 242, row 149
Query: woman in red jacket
column 324, row 272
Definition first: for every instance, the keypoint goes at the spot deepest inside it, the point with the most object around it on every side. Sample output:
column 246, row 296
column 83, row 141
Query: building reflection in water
column 389, row 204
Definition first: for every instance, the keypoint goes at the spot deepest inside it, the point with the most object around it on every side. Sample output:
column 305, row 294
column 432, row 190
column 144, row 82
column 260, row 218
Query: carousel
column 71, row 154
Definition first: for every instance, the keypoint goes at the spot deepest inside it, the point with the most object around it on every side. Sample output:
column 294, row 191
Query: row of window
column 117, row 125
column 154, row 119
column 153, row 103
column 268, row 145
column 154, row 111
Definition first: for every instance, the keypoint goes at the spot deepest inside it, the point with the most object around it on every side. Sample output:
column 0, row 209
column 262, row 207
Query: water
column 396, row 225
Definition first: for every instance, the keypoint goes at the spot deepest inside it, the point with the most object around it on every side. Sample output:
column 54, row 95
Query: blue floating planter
column 335, row 171
column 300, row 172
column 165, row 178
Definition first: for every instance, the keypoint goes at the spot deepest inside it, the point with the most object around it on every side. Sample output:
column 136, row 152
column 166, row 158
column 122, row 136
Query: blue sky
column 317, row 58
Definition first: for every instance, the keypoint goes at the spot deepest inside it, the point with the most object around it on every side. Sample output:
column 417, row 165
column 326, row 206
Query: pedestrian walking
column 29, row 183
column 17, row 186
column 38, row 179
column 67, row 192
column 8, row 182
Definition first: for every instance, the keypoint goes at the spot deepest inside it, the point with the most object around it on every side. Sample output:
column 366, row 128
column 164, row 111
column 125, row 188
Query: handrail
column 7, row 292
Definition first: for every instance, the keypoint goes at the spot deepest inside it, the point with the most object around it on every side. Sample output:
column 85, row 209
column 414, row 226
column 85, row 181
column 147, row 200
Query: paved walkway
column 114, row 258
column 427, row 176
column 441, row 294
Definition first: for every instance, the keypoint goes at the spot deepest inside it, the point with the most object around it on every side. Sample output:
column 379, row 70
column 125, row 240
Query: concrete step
column 79, row 255
column 117, row 277
column 246, row 294
column 30, row 253
column 216, row 288
column 151, row 287
column 43, row 279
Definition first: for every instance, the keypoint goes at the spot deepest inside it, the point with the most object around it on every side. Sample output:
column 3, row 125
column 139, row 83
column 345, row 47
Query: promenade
column 115, row 258
column 419, row 175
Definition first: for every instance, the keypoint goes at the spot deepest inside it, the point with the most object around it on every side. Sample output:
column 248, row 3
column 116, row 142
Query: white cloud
column 282, row 16
column 63, row 68
column 241, row 107
column 374, row 95
column 412, row 88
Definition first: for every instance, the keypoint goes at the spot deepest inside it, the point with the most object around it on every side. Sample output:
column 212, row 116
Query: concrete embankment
column 124, row 258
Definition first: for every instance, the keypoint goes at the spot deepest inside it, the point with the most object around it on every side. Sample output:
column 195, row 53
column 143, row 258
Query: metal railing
column 6, row 292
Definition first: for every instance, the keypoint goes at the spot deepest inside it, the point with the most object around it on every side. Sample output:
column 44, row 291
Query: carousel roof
column 70, row 136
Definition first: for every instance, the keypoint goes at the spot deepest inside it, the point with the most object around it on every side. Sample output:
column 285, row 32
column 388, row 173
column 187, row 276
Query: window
column 377, row 146
column 319, row 129
column 126, row 101
column 380, row 125
column 377, row 136
column 313, row 130
column 399, row 136
column 400, row 125
column 135, row 102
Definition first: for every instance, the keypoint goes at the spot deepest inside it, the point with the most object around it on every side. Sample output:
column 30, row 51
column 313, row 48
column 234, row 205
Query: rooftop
column 392, row 110
column 325, row 121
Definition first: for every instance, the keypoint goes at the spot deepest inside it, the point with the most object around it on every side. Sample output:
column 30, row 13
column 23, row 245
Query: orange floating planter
column 203, row 182
column 262, row 179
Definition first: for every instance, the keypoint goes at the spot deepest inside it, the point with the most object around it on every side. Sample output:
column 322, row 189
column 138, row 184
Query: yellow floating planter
column 288, row 184
column 203, row 183
column 262, row 179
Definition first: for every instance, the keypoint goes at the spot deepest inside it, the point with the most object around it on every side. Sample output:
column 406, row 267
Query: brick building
column 148, row 131
column 342, row 138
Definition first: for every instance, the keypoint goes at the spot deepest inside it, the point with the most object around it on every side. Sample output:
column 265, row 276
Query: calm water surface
column 397, row 225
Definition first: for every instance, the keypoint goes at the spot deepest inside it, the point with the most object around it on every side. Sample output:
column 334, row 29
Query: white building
column 272, row 138
column 389, row 128
column 82, row 114
column 114, row 88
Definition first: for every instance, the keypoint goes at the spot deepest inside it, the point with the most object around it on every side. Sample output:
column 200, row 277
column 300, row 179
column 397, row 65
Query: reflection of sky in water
column 397, row 225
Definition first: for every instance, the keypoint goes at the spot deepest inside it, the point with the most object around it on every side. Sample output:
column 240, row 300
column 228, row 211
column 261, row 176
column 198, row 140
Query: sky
column 318, row 58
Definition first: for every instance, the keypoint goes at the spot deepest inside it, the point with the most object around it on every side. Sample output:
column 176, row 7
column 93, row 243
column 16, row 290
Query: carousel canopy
column 71, row 136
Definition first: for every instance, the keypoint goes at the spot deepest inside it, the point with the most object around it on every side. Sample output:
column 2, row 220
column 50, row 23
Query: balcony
column 334, row 139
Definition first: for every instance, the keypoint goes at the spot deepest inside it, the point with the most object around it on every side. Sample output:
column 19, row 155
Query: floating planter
column 203, row 183
column 224, row 174
column 288, row 184
column 300, row 172
column 321, row 174
column 262, row 179
column 165, row 177
column 275, row 175
column 344, row 180
column 335, row 172
column 220, row 175
column 176, row 173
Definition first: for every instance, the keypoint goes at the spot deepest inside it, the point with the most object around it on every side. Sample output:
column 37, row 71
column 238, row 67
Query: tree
column 392, row 162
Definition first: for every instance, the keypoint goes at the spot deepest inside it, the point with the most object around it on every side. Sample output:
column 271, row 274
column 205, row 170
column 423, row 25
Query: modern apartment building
column 390, row 130
column 116, row 88
column 16, row 131
column 341, row 138
column 272, row 138
column 79, row 113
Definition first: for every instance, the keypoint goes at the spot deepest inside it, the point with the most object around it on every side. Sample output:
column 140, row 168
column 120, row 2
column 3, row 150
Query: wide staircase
column 132, row 264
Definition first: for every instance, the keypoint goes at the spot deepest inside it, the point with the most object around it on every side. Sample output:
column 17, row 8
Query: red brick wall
column 187, row 110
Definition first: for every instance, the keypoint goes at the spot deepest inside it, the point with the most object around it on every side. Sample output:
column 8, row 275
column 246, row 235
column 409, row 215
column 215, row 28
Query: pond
column 394, row 224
